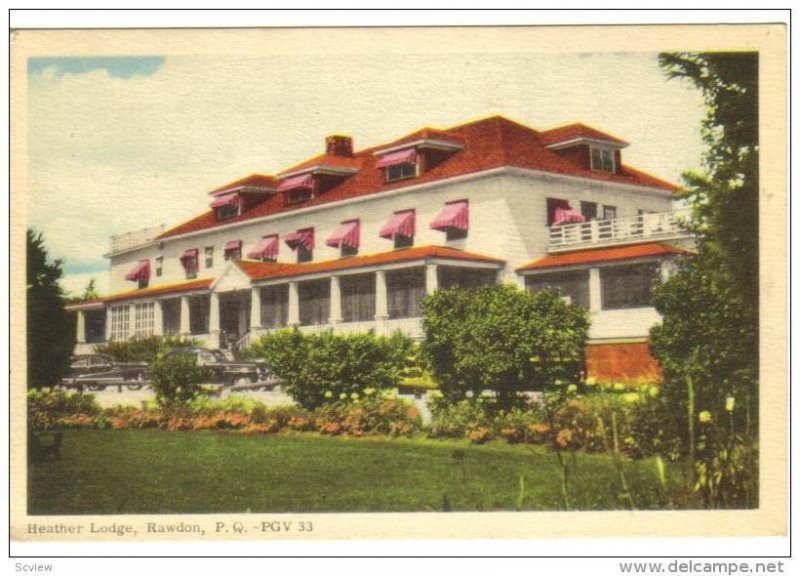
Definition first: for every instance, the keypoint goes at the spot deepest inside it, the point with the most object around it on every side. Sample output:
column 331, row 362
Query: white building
column 351, row 240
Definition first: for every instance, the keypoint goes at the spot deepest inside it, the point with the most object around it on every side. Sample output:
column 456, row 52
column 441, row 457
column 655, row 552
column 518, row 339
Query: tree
column 51, row 329
column 90, row 292
column 708, row 341
column 502, row 339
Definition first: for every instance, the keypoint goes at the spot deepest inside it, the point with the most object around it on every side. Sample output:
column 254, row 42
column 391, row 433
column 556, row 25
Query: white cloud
column 109, row 155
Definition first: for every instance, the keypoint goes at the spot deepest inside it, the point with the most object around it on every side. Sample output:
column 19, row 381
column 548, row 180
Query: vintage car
column 96, row 371
column 228, row 373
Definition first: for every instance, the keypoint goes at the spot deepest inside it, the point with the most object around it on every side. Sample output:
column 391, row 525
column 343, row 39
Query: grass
column 155, row 471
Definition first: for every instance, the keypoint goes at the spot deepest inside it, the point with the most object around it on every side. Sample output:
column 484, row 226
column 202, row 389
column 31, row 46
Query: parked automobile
column 96, row 371
column 228, row 373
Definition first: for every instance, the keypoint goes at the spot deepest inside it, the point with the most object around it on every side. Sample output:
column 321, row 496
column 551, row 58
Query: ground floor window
column 143, row 320
column 629, row 286
column 404, row 291
column 452, row 276
column 315, row 302
column 572, row 286
column 120, row 322
column 358, row 297
column 94, row 326
column 198, row 314
column 171, row 313
column 275, row 306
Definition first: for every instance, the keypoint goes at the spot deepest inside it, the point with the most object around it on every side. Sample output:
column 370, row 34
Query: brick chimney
column 339, row 146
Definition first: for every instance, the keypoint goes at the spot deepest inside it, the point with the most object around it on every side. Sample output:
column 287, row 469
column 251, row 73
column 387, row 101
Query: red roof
column 254, row 180
column 574, row 132
column 160, row 290
column 262, row 270
column 602, row 255
column 489, row 143
column 353, row 163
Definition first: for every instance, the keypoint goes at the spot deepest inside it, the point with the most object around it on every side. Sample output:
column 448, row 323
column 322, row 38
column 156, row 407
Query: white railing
column 128, row 240
column 655, row 226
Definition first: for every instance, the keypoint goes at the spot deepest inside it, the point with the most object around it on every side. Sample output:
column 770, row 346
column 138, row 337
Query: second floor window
column 159, row 266
column 589, row 210
column 209, row 256
column 609, row 212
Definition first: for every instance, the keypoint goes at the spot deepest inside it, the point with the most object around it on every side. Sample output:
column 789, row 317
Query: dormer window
column 602, row 159
column 226, row 205
column 298, row 188
column 399, row 165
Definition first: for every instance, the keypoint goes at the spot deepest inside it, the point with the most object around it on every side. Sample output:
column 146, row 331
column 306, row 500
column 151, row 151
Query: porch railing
column 655, row 226
column 128, row 240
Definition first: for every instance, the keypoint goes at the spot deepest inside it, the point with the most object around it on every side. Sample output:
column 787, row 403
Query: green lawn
column 153, row 471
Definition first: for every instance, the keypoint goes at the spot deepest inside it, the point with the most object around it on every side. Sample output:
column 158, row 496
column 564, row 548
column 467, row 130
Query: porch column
column 666, row 268
column 336, row 301
column 595, row 290
column 381, row 303
column 431, row 278
column 213, row 320
column 294, row 305
column 186, row 326
column 255, row 311
column 80, row 327
column 108, row 324
column 158, row 318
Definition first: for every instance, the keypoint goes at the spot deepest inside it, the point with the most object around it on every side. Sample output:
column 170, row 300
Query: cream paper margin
column 769, row 40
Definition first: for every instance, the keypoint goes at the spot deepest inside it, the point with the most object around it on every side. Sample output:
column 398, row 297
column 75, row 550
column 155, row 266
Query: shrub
column 378, row 414
column 50, row 409
column 142, row 349
column 502, row 339
column 177, row 379
column 320, row 369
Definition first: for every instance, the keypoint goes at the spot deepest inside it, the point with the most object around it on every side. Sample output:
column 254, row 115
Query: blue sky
column 115, row 66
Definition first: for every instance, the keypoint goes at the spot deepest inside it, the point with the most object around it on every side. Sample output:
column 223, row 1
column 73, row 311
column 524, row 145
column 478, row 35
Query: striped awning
column 348, row 234
column 454, row 215
column 233, row 245
column 190, row 257
column 408, row 156
column 301, row 181
column 402, row 223
column 231, row 199
column 266, row 249
column 301, row 237
column 139, row 272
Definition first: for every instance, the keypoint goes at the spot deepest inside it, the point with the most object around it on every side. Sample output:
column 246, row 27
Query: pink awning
column 347, row 234
column 267, row 248
column 302, row 181
column 454, row 215
column 400, row 223
column 190, row 256
column 226, row 200
column 304, row 237
column 408, row 156
column 233, row 245
column 566, row 215
column 139, row 272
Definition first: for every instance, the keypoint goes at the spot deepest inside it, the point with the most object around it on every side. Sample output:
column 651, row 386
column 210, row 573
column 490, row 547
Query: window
column 628, row 286
column 143, row 282
column 198, row 314
column 275, row 306
column 159, row 266
column 554, row 204
column 189, row 261
column 401, row 171
column 404, row 291
column 143, row 320
column 609, row 212
column 229, row 211
column 572, row 286
column 358, row 297
column 453, row 220
column 171, row 316
column 455, row 234
column 589, row 210
column 209, row 256
column 304, row 254
column 455, row 276
column 298, row 195
column 315, row 302
column 402, row 241
column 603, row 160
column 120, row 322
column 233, row 250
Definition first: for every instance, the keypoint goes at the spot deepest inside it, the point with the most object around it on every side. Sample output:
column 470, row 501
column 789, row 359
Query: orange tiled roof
column 255, row 180
column 602, row 255
column 262, row 270
column 159, row 290
column 489, row 143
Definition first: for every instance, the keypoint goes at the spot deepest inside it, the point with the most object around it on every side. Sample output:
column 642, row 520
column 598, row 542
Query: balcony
column 654, row 227
column 129, row 240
